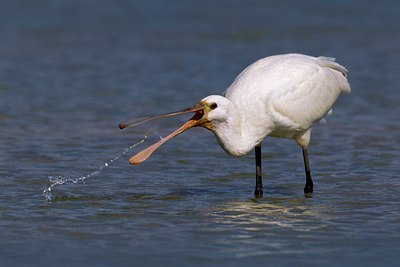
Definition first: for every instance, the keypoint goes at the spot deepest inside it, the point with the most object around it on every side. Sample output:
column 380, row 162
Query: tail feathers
column 330, row 63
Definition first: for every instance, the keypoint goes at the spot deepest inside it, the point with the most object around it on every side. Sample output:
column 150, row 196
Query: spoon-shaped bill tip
column 145, row 153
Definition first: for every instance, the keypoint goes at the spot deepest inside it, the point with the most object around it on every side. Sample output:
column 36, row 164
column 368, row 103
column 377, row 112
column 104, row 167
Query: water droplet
column 60, row 180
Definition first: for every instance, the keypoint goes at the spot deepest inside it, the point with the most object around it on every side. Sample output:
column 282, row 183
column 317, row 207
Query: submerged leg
column 258, row 192
column 308, row 189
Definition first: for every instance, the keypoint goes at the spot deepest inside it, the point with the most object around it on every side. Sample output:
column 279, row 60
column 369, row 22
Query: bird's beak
column 199, row 119
column 137, row 121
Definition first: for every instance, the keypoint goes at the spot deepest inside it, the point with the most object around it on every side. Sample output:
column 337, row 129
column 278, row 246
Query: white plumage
column 279, row 96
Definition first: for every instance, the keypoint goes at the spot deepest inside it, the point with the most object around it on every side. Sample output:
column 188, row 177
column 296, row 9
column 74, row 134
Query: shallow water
column 71, row 70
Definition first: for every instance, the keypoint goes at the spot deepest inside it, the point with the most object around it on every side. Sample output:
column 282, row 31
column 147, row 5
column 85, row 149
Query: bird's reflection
column 268, row 226
column 285, row 213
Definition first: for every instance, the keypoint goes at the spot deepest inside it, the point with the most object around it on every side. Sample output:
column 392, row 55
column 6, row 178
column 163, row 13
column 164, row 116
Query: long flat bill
column 145, row 153
column 138, row 121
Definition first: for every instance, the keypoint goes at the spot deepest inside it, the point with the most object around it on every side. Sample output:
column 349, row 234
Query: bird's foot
column 308, row 195
column 258, row 193
column 308, row 191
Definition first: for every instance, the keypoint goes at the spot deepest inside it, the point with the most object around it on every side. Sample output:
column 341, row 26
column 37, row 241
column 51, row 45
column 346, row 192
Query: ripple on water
column 60, row 180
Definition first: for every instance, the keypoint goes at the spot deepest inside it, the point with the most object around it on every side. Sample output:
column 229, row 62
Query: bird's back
column 290, row 90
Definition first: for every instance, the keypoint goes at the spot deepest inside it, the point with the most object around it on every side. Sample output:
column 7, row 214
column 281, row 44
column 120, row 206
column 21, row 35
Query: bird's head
column 216, row 110
column 208, row 112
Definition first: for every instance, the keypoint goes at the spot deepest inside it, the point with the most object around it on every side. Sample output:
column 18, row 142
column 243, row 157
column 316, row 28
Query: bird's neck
column 234, row 135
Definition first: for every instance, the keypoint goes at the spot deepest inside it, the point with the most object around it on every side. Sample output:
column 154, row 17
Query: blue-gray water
column 71, row 70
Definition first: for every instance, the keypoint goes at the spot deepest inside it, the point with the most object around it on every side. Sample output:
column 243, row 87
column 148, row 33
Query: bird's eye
column 213, row 106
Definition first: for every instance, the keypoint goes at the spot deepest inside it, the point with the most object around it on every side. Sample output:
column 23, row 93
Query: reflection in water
column 287, row 213
column 261, row 226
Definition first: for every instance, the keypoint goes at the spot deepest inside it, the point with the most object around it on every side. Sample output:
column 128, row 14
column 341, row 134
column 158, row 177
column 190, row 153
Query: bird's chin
column 202, row 120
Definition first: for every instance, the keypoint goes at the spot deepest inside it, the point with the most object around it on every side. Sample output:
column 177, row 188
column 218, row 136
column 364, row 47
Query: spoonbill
column 278, row 96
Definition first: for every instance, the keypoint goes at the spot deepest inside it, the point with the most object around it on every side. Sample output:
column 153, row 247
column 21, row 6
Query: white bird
column 279, row 96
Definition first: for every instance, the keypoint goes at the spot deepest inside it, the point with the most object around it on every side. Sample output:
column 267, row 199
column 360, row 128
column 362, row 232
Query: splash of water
column 60, row 180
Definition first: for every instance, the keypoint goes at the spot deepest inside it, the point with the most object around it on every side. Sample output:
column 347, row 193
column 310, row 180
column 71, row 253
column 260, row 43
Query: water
column 70, row 71
column 60, row 180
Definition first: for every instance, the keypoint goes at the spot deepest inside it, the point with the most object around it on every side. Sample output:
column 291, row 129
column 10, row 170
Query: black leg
column 308, row 189
column 258, row 192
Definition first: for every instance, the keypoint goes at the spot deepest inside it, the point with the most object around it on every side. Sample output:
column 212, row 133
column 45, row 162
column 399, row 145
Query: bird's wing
column 311, row 90
column 299, row 88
